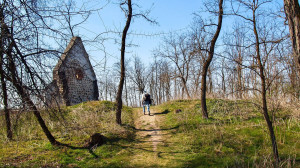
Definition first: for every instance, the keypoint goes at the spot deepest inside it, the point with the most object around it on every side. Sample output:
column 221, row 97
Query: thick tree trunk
column 264, row 92
column 208, row 61
column 292, row 11
column 122, row 78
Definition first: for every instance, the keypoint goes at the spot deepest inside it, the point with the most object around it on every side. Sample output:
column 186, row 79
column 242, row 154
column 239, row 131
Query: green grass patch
column 235, row 135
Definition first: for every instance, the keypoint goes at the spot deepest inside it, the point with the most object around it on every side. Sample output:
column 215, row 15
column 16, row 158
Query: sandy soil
column 148, row 130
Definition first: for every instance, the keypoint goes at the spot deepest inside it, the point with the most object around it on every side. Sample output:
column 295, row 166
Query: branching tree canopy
column 27, row 29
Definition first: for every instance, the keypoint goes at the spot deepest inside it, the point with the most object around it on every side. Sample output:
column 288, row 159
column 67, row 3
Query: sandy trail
column 148, row 130
column 152, row 148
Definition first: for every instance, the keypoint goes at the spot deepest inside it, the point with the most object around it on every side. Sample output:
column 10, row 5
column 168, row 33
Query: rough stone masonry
column 74, row 80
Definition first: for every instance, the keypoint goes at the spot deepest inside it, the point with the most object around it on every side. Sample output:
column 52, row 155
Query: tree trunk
column 209, row 59
column 5, row 97
column 16, row 81
column 3, row 84
column 239, row 76
column 126, row 93
column 26, row 99
column 185, row 88
column 210, row 84
column 263, row 93
column 6, row 111
column 120, row 88
column 292, row 11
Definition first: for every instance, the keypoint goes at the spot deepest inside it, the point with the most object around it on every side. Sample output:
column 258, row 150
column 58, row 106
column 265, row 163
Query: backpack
column 147, row 98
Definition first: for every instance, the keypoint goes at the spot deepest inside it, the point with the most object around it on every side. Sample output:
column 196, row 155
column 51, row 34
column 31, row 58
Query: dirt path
column 150, row 140
column 153, row 147
column 148, row 130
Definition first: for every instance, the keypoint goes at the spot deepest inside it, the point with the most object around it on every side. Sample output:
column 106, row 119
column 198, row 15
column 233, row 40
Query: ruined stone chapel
column 74, row 80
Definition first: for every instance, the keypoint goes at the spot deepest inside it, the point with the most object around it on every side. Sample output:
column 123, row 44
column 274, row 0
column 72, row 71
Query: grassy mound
column 72, row 125
column 236, row 134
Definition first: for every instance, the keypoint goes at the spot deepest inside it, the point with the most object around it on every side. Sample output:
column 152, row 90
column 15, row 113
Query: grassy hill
column 235, row 136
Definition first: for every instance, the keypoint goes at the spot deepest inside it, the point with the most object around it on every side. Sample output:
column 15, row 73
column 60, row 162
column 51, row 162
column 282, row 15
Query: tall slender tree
column 263, row 85
column 128, row 13
column 209, row 59
column 259, row 59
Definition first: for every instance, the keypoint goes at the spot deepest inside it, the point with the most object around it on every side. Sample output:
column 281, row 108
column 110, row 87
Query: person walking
column 146, row 101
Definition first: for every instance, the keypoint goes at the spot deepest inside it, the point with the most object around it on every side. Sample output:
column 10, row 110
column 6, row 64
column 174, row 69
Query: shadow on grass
column 107, row 140
column 90, row 149
column 164, row 112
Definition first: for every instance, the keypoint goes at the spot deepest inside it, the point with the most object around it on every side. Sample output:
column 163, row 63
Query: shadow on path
column 164, row 129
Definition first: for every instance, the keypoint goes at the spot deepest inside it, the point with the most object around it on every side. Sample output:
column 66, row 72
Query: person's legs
column 144, row 108
column 148, row 106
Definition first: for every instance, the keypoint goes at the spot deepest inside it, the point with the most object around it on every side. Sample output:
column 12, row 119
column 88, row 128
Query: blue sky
column 171, row 16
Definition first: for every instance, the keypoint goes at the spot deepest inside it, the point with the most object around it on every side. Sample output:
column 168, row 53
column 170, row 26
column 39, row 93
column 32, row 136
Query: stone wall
column 80, row 85
column 74, row 75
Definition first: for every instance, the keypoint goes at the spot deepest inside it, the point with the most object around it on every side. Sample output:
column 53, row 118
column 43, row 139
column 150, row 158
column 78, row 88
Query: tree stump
column 95, row 140
column 178, row 110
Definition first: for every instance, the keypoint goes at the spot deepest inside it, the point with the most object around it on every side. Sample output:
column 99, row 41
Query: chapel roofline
column 73, row 41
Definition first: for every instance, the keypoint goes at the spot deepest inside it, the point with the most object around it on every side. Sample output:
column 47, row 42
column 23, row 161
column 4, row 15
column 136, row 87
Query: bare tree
column 160, row 81
column 176, row 49
column 25, row 53
column 18, row 71
column 236, row 48
column 259, row 62
column 209, row 59
column 128, row 13
column 139, row 74
column 200, row 45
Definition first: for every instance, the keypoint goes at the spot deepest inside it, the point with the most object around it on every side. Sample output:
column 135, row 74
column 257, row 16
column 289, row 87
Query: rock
column 95, row 140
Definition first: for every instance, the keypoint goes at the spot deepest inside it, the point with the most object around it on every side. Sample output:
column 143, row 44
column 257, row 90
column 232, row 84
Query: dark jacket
column 146, row 99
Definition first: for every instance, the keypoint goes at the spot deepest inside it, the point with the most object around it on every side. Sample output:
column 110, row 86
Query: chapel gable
column 74, row 80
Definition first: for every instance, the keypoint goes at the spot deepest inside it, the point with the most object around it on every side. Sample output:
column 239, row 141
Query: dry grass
column 72, row 125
